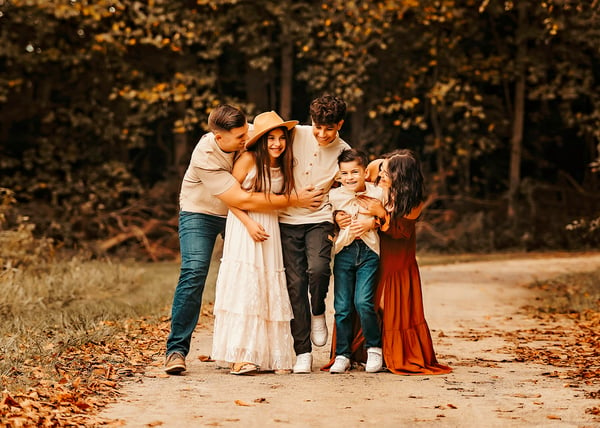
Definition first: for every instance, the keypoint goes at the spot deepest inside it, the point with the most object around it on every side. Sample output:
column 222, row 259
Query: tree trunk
column 356, row 125
column 181, row 153
column 439, row 150
column 257, row 89
column 516, row 141
column 287, row 80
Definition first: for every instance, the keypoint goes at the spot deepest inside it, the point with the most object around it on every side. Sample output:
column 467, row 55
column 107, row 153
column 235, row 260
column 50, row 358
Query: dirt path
column 468, row 307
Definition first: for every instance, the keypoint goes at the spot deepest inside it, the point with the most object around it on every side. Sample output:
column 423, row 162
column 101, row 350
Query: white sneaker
column 303, row 363
column 374, row 360
column 340, row 365
column 318, row 330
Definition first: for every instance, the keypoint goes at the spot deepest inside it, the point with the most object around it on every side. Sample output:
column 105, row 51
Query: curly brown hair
column 327, row 110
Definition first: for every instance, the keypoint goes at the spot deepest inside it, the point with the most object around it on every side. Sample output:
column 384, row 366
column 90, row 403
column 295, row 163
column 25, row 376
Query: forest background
column 102, row 102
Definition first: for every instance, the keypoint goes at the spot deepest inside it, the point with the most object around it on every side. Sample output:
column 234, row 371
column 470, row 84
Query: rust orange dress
column 407, row 344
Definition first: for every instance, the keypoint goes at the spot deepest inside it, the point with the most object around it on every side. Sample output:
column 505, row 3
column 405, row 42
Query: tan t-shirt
column 345, row 200
column 208, row 175
column 316, row 166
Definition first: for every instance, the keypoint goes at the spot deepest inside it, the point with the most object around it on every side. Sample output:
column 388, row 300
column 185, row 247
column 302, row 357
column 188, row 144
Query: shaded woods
column 101, row 103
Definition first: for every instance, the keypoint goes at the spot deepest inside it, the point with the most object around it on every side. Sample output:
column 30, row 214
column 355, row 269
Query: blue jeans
column 355, row 275
column 197, row 235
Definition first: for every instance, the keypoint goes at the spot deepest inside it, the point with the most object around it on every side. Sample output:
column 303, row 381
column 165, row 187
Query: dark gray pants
column 307, row 259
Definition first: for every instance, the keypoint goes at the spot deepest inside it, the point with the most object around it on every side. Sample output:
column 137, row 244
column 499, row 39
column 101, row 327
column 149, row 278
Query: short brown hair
column 225, row 117
column 327, row 110
column 351, row 155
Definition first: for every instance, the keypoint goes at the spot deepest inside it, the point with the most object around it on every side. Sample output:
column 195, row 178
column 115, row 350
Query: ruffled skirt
column 252, row 308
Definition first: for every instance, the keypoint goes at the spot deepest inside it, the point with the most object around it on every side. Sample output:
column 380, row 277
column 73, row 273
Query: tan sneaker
column 175, row 363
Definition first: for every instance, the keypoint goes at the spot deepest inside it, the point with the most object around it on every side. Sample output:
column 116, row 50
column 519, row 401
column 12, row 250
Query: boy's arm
column 235, row 196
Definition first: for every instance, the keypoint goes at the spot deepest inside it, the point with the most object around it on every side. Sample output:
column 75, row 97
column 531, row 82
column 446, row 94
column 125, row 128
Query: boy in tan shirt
column 307, row 235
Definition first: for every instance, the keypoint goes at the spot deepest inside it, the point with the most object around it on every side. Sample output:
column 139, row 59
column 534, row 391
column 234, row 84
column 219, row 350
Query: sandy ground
column 468, row 307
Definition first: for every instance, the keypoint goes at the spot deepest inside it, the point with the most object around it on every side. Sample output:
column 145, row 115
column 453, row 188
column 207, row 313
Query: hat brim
column 290, row 124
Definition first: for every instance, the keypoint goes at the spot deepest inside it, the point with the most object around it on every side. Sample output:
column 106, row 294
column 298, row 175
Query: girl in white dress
column 252, row 308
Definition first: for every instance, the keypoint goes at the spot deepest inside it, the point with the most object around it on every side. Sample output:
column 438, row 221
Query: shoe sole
column 175, row 369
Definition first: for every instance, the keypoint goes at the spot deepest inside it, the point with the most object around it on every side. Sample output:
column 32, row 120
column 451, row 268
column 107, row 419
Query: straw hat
column 266, row 122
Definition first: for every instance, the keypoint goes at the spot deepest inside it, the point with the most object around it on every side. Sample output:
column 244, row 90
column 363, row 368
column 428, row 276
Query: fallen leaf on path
column 452, row 406
column 82, row 405
column 242, row 403
column 205, row 358
column 9, row 401
column 526, row 395
column 553, row 417
column 260, row 400
column 154, row 424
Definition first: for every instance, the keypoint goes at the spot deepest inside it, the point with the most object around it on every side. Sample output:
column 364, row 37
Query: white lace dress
column 252, row 308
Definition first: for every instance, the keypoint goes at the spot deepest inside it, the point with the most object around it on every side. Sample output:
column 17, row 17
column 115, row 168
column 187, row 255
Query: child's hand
column 362, row 225
column 257, row 231
column 343, row 219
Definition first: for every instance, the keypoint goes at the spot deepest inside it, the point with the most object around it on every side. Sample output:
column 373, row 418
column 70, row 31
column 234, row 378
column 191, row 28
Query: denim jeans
column 197, row 235
column 307, row 260
column 355, row 275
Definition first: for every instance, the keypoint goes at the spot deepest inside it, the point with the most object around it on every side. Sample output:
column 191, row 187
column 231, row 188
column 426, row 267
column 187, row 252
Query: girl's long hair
column 263, row 162
column 407, row 188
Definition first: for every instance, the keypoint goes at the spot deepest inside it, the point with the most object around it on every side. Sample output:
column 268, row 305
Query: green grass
column 46, row 308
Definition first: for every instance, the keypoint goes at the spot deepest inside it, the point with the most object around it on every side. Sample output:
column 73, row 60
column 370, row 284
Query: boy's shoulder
column 337, row 190
column 374, row 191
column 340, row 193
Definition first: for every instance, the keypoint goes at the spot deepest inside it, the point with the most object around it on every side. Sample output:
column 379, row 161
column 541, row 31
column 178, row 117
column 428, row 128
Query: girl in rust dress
column 407, row 345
